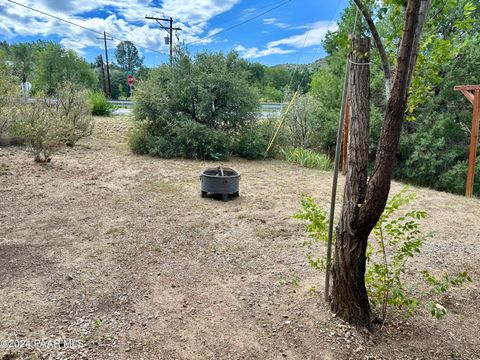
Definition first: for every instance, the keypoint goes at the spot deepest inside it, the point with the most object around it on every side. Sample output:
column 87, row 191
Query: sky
column 268, row 31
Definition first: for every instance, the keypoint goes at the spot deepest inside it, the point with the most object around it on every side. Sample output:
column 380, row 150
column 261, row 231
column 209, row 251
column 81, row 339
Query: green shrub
column 453, row 180
column 100, row 105
column 302, row 120
column 9, row 86
column 187, row 139
column 251, row 145
column 139, row 138
column 72, row 105
column 308, row 158
column 46, row 125
column 162, row 147
column 194, row 108
column 395, row 239
column 197, row 141
column 41, row 128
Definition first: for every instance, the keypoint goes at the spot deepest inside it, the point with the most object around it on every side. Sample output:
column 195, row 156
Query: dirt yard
column 109, row 255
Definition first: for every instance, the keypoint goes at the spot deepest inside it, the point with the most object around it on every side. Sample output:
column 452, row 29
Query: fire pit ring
column 220, row 183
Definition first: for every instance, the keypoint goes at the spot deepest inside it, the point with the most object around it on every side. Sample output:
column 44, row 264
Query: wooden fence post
column 472, row 93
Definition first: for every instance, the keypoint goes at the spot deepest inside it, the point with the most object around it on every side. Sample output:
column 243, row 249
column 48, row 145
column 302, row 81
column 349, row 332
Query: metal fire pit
column 221, row 183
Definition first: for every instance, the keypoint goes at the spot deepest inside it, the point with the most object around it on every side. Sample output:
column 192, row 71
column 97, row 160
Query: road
column 266, row 109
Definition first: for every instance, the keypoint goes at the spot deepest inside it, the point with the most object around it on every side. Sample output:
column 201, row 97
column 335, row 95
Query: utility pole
column 168, row 29
column 103, row 75
column 109, row 95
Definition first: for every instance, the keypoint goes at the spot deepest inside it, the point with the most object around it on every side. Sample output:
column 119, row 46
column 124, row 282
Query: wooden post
column 345, row 136
column 336, row 165
column 472, row 93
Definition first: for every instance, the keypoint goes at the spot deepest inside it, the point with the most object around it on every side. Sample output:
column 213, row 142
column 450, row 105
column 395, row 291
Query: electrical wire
column 283, row 3
column 304, row 72
column 81, row 26
column 316, row 49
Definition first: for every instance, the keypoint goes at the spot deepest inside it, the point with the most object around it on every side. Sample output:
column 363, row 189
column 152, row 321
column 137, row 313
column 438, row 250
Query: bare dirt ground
column 120, row 257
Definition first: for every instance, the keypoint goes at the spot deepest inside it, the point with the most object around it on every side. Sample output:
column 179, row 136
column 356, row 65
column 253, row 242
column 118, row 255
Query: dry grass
column 121, row 252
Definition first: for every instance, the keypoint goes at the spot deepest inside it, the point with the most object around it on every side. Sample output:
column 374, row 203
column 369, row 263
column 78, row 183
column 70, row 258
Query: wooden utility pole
column 109, row 95
column 472, row 93
column 168, row 29
column 103, row 76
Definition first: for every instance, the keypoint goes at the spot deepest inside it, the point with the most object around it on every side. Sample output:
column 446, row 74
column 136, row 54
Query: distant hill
column 311, row 67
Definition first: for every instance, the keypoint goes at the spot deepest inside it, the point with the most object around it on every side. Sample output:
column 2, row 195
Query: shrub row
column 193, row 140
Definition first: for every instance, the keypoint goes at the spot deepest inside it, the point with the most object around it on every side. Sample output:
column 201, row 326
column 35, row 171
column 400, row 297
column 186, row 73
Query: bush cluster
column 7, row 103
column 199, row 108
column 196, row 141
column 46, row 125
column 100, row 104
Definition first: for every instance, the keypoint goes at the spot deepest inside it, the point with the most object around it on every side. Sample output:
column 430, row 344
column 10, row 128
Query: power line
column 255, row 10
column 252, row 18
column 80, row 26
column 243, row 22
column 316, row 49
column 304, row 72
column 168, row 29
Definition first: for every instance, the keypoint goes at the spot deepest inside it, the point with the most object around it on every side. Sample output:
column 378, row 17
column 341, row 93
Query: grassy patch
column 308, row 158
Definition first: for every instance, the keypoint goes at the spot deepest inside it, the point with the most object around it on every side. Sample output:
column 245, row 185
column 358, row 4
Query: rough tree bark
column 364, row 202
column 349, row 295
column 379, row 45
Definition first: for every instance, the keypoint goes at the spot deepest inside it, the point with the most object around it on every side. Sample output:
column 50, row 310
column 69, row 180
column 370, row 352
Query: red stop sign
column 130, row 79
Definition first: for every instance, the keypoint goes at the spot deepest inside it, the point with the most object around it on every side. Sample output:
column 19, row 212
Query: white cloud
column 126, row 20
column 312, row 37
column 196, row 11
column 275, row 22
column 214, row 32
column 255, row 52
column 246, row 13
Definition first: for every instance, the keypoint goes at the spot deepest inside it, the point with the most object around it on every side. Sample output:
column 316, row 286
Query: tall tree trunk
column 379, row 45
column 364, row 203
column 379, row 183
column 349, row 295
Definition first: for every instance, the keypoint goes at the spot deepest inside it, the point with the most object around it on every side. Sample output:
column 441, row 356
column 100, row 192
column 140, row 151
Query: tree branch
column 422, row 17
column 378, row 45
column 379, row 183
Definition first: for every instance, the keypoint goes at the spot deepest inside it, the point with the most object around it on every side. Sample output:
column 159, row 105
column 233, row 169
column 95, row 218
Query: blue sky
column 288, row 31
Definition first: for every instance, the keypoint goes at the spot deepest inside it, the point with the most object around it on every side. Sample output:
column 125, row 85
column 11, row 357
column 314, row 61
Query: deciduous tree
column 365, row 199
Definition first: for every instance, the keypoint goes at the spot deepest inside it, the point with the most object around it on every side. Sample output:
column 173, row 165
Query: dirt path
column 119, row 253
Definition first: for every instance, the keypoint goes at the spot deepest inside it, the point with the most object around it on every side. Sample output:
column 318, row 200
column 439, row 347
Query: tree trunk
column 379, row 183
column 364, row 203
column 349, row 295
column 379, row 45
